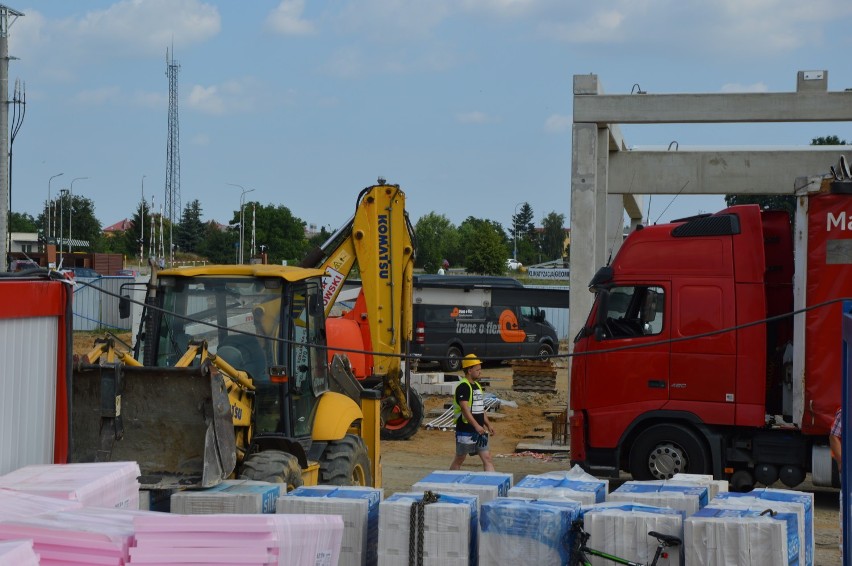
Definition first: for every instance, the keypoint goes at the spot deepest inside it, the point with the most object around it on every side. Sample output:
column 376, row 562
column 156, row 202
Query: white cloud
column 557, row 123
column 286, row 19
column 206, row 99
column 737, row 87
column 228, row 97
column 474, row 117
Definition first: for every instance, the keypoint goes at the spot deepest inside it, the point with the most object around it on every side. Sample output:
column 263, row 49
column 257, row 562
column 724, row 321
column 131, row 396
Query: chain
column 415, row 529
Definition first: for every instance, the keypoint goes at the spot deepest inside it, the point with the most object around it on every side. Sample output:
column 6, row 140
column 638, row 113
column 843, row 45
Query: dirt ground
column 406, row 462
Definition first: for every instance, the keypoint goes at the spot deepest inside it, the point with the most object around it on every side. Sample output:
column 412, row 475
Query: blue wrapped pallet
column 552, row 486
column 716, row 536
column 450, row 529
column 499, row 480
column 622, row 529
column 524, row 531
column 687, row 498
column 805, row 500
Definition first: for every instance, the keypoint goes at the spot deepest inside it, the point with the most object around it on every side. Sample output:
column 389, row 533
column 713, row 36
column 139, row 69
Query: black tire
column 452, row 359
column 273, row 466
column 345, row 462
column 545, row 350
column 399, row 428
column 664, row 450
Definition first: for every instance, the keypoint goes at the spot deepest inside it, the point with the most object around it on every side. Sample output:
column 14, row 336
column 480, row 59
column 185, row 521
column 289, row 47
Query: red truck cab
column 685, row 361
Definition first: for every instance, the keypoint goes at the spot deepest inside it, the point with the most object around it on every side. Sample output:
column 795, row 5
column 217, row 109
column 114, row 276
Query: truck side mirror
column 124, row 306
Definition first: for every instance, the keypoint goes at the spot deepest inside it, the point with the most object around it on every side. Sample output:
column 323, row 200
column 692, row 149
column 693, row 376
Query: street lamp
column 142, row 226
column 242, row 219
column 62, row 194
column 71, row 209
column 49, row 233
column 515, row 225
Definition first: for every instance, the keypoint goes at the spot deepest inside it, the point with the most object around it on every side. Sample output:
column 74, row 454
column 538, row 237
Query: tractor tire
column 664, row 450
column 452, row 359
column 399, row 428
column 273, row 466
column 345, row 462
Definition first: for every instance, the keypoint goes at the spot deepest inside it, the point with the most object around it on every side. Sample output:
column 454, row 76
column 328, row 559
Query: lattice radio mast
column 172, row 204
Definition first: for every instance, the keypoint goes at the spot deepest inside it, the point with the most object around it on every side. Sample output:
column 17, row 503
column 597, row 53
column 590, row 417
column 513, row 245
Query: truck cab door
column 623, row 380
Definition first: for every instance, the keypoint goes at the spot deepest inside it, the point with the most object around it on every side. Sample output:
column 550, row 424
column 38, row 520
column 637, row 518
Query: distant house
column 120, row 226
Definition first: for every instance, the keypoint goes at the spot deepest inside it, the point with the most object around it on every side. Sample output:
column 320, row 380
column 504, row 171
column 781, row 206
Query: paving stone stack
column 535, row 376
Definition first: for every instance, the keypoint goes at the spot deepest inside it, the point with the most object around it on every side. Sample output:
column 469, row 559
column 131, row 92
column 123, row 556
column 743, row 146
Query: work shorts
column 471, row 443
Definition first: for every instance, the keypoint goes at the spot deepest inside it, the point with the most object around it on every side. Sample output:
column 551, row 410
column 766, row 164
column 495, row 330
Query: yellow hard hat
column 470, row 360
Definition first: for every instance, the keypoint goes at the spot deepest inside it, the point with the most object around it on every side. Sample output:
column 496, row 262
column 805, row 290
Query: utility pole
column 7, row 18
column 142, row 226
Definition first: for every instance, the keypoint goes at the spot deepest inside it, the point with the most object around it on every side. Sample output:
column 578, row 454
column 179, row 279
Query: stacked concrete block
column 525, row 531
column 449, row 530
column 718, row 537
column 573, row 485
column 622, row 529
column 800, row 502
column 688, row 498
column 359, row 508
column 485, row 485
column 230, row 496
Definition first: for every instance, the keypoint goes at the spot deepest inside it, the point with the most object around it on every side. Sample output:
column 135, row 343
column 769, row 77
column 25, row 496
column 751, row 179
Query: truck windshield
column 632, row 311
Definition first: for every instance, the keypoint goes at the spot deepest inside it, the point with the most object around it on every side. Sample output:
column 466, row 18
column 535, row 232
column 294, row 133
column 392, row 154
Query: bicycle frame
column 581, row 551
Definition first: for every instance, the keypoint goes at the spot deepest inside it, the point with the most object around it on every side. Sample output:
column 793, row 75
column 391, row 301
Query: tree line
column 478, row 245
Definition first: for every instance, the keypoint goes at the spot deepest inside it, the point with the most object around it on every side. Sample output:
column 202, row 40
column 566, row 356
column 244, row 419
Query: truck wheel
column 273, row 466
column 452, row 359
column 545, row 350
column 399, row 428
column 345, row 462
column 663, row 450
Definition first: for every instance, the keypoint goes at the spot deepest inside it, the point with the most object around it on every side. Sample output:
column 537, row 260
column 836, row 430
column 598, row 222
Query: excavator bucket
column 175, row 422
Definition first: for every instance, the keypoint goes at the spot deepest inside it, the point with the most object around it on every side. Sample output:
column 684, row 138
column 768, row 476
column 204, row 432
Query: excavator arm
column 379, row 238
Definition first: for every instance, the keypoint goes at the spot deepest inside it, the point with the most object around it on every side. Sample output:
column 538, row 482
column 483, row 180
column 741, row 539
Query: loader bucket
column 175, row 422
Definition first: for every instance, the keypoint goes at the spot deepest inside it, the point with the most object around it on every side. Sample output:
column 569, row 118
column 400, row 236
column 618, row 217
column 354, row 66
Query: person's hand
column 491, row 430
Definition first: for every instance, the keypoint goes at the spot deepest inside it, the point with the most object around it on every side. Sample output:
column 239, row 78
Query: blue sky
column 466, row 104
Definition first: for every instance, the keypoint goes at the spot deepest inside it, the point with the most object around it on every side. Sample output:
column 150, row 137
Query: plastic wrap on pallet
column 714, row 487
column 359, row 507
column 718, row 537
column 525, row 531
column 687, row 498
column 230, row 496
column 622, row 529
column 18, row 553
column 796, row 541
column 112, row 485
column 806, row 500
column 450, row 530
column 485, row 485
column 574, row 484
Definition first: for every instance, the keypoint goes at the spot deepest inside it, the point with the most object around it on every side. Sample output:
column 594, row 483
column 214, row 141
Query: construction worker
column 472, row 424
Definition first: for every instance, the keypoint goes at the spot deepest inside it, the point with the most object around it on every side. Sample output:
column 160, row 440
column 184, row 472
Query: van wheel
column 452, row 359
column 664, row 450
column 545, row 350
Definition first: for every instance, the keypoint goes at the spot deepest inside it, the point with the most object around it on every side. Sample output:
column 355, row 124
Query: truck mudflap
column 174, row 422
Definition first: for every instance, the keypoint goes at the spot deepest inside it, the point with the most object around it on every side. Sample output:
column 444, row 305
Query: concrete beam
column 747, row 107
column 717, row 172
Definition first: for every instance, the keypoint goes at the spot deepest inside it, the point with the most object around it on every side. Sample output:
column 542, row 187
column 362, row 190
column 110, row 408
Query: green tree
column 485, row 246
column 218, row 245
column 133, row 237
column 24, row 222
column 523, row 230
column 437, row 239
column 553, row 236
column 190, row 232
column 84, row 225
column 276, row 228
